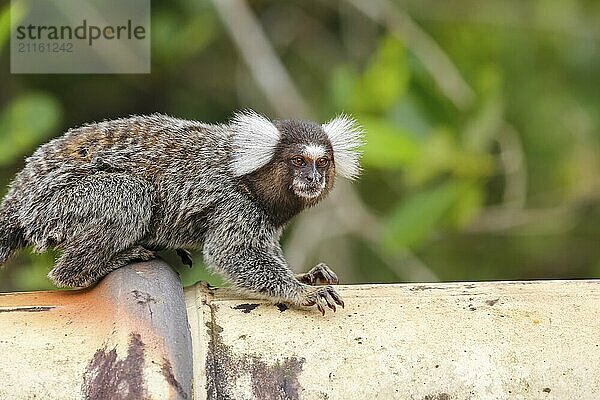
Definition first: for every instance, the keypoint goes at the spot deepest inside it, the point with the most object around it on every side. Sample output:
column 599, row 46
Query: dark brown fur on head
column 273, row 184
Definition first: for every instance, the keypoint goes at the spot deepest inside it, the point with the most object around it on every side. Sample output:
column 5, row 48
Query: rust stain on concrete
column 224, row 368
column 106, row 377
column 167, row 371
column 278, row 381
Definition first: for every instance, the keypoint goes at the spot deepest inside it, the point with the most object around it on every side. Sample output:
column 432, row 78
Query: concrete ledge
column 495, row 340
column 126, row 338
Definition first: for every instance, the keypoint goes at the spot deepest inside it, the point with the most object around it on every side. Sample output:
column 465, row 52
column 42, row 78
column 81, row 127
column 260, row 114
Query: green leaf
column 15, row 9
column 32, row 274
column 387, row 146
column 442, row 155
column 341, row 86
column 416, row 217
column 439, row 150
column 27, row 122
column 4, row 25
column 175, row 41
column 385, row 79
column 468, row 205
column 479, row 133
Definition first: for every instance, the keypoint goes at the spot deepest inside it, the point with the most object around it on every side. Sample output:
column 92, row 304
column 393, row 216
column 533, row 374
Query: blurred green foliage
column 28, row 119
column 500, row 183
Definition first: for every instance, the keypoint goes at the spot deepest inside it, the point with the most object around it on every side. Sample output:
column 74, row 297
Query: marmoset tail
column 110, row 193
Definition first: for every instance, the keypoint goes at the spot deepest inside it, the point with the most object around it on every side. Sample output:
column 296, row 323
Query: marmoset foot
column 322, row 297
column 319, row 275
column 186, row 257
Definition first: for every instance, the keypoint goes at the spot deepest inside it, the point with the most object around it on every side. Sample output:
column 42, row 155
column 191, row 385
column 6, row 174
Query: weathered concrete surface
column 501, row 340
column 126, row 338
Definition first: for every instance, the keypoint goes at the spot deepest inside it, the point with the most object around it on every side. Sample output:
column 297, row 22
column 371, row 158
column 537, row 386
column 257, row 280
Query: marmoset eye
column 322, row 162
column 298, row 161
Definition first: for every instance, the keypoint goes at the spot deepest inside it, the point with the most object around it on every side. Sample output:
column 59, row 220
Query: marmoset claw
column 322, row 297
column 319, row 275
column 186, row 257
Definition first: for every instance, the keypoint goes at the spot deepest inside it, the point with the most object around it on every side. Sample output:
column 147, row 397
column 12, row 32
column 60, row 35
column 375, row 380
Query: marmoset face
column 309, row 168
column 289, row 165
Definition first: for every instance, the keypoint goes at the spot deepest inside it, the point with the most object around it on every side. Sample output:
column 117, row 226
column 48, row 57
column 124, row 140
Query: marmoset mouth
column 308, row 191
column 308, row 194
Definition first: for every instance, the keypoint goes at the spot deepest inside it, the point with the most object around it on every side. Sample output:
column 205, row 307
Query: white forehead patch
column 253, row 142
column 346, row 137
column 314, row 151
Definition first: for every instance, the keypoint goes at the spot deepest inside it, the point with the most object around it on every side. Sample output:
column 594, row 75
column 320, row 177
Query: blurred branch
column 267, row 69
column 368, row 227
column 502, row 219
column 515, row 173
column 512, row 214
column 512, row 16
column 434, row 59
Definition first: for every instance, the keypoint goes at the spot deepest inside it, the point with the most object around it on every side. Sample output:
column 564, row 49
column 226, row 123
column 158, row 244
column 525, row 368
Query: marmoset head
column 305, row 157
column 291, row 163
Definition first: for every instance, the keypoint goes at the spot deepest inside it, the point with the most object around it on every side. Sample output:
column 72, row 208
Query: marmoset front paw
column 319, row 275
column 322, row 297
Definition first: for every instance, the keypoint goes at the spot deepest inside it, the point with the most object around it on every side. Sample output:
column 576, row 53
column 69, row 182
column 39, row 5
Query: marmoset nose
column 311, row 176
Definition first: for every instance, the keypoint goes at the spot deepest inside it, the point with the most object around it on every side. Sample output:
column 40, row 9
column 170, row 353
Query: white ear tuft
column 346, row 137
column 253, row 142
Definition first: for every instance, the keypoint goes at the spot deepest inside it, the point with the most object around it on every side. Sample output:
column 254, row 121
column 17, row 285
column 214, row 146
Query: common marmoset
column 114, row 192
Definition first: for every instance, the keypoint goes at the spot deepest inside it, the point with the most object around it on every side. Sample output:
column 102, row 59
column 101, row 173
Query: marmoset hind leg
column 80, row 268
column 11, row 234
column 101, row 230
